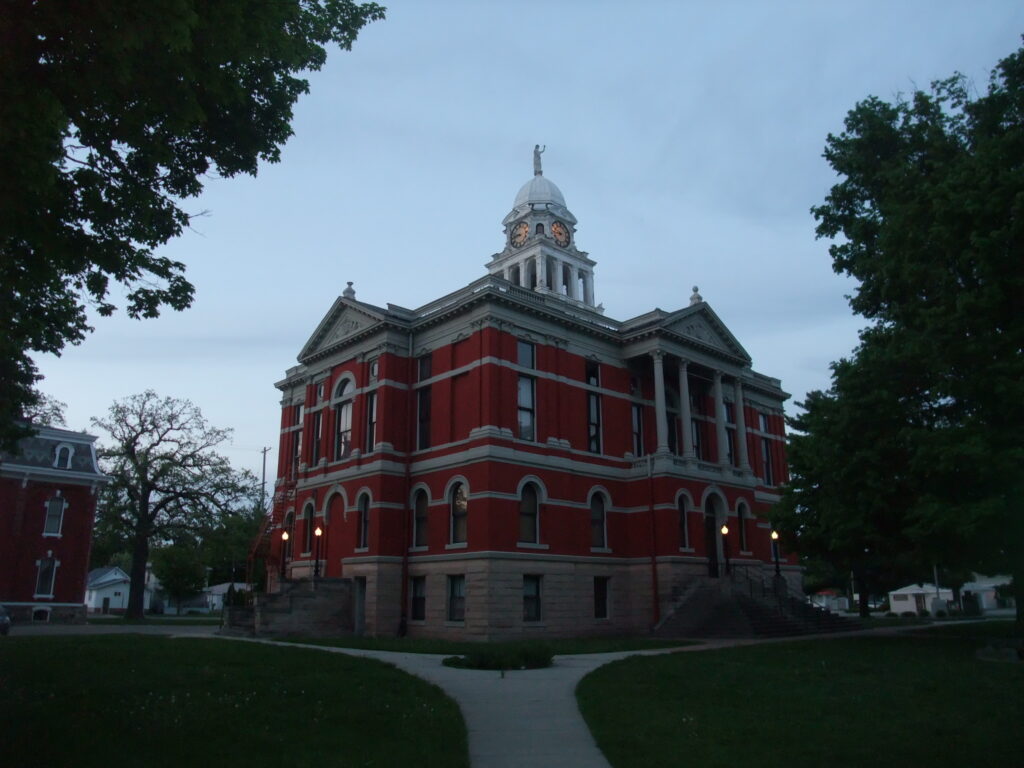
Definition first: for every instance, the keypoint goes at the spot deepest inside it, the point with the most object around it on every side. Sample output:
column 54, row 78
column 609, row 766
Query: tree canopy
column 168, row 482
column 917, row 446
column 111, row 114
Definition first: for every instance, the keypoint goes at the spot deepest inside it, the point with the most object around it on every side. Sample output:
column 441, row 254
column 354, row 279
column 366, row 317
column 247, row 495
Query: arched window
column 741, row 523
column 684, row 530
column 419, row 519
column 307, row 516
column 62, row 456
column 289, row 528
column 598, row 535
column 529, row 515
column 539, row 229
column 364, row 522
column 459, row 513
column 343, row 419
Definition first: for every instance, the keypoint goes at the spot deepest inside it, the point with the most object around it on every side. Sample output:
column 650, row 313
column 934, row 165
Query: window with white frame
column 62, row 455
column 598, row 537
column 741, row 523
column 54, row 516
column 638, row 429
column 343, row 419
column 529, row 515
column 420, row 513
column 371, row 421
column 418, row 598
column 46, row 576
column 364, row 522
column 684, row 528
column 593, row 422
column 307, row 515
column 767, row 470
column 459, row 508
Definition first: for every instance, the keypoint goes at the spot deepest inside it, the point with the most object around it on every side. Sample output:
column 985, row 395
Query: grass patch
column 517, row 655
column 184, row 621
column 135, row 700
column 916, row 699
column 994, row 629
column 461, row 648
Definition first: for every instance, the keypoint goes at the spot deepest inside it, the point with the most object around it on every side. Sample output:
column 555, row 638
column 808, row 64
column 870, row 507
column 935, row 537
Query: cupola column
column 741, row 427
column 588, row 288
column 684, row 410
column 660, row 411
column 723, row 441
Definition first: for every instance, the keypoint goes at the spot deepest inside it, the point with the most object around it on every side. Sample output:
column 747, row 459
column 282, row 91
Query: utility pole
column 263, row 484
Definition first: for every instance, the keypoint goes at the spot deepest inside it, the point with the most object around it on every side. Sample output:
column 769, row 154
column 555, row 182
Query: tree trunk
column 864, row 596
column 137, row 590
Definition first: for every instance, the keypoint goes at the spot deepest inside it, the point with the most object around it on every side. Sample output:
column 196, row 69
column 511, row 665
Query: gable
column 701, row 325
column 344, row 321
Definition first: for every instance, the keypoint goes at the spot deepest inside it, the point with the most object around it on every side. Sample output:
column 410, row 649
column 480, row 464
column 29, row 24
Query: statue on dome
column 537, row 149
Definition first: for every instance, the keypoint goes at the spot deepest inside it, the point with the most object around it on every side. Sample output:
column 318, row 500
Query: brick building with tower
column 508, row 461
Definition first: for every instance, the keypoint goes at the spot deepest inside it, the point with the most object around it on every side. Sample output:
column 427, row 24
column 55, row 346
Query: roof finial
column 696, row 298
column 537, row 149
column 350, row 292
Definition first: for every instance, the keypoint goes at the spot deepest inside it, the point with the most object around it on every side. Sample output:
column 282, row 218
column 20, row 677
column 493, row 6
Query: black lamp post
column 775, row 551
column 725, row 546
column 316, row 564
column 284, row 551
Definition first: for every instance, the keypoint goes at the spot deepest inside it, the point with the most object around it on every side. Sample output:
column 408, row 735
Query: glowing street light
column 284, row 548
column 725, row 546
column 316, row 565
column 775, row 550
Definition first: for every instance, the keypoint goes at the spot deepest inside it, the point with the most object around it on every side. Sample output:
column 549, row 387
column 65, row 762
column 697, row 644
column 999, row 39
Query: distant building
column 919, row 598
column 48, row 494
column 507, row 461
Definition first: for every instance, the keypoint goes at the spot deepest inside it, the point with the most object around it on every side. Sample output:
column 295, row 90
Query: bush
column 924, row 613
column 890, row 613
column 940, row 614
column 531, row 655
column 909, row 615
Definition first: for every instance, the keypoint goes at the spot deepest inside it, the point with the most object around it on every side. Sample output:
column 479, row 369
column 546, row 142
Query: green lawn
column 920, row 699
column 458, row 648
column 172, row 620
column 131, row 700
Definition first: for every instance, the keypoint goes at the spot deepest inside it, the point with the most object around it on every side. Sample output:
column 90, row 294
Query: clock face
column 519, row 233
column 561, row 233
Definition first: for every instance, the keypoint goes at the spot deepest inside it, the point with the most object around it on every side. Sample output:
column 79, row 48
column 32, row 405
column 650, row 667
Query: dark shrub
column 525, row 655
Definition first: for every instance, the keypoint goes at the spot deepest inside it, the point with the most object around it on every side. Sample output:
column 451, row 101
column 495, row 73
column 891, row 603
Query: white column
column 570, row 287
column 588, row 288
column 522, row 274
column 684, row 410
column 660, row 411
column 723, row 442
column 542, row 271
column 741, row 427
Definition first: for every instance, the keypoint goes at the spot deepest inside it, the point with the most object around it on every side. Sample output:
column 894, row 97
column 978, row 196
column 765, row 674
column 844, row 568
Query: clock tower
column 540, row 251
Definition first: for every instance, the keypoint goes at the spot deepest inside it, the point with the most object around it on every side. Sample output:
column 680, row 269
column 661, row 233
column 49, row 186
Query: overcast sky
column 685, row 136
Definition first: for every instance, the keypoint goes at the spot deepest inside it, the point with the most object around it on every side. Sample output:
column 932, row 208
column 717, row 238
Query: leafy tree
column 112, row 113
column 225, row 546
column 167, row 480
column 929, row 219
column 181, row 572
column 46, row 411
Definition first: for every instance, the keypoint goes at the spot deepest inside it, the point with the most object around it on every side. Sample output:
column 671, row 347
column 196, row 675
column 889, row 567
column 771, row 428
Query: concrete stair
column 739, row 607
column 299, row 608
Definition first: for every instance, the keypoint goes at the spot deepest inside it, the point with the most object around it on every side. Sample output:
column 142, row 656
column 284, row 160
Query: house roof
column 220, row 589
column 104, row 577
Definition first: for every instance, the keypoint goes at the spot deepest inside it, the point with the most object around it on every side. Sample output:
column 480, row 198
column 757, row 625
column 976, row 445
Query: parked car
column 5, row 621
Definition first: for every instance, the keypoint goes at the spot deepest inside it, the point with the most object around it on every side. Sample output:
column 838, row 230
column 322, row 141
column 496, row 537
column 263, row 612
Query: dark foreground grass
column 908, row 700
column 183, row 621
column 132, row 701
column 557, row 646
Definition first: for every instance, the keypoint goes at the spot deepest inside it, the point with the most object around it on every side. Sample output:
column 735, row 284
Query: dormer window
column 62, row 455
column 539, row 229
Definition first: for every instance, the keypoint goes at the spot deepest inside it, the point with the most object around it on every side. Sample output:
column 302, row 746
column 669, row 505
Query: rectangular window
column 54, row 516
column 730, row 413
column 638, row 430
column 371, row 421
column 423, row 418
column 318, row 423
column 526, row 418
column 767, row 472
column 730, row 449
column 418, row 598
column 601, row 597
column 423, row 367
column 45, row 577
column 593, row 373
column 762, row 419
column 296, row 451
column 525, row 354
column 593, row 422
column 297, row 415
column 419, row 521
column 456, row 598
column 531, row 598
column 697, row 448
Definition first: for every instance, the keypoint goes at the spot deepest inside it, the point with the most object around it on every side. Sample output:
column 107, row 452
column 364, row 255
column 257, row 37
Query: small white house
column 917, row 598
column 215, row 595
column 107, row 589
column 983, row 589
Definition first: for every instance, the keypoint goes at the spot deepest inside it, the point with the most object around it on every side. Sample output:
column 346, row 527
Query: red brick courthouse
column 508, row 461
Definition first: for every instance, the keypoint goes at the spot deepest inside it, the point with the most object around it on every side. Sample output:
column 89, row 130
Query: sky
column 687, row 138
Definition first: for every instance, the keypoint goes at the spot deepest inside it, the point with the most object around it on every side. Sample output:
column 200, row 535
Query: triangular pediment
column 701, row 325
column 345, row 320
